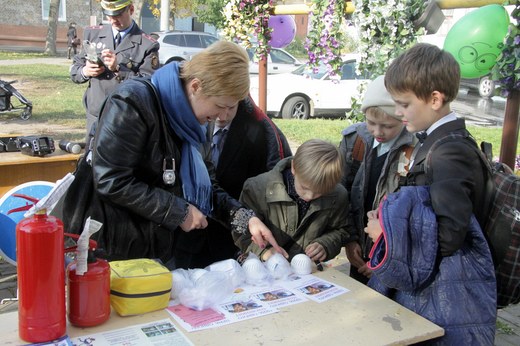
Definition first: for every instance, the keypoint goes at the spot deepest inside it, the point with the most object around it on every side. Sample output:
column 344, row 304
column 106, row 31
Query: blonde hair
column 222, row 68
column 379, row 113
column 423, row 69
column 319, row 164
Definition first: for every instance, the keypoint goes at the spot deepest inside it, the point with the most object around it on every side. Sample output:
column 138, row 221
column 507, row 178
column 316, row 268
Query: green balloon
column 476, row 40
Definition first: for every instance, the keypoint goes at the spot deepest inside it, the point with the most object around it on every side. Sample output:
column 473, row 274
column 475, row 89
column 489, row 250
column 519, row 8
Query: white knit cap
column 377, row 96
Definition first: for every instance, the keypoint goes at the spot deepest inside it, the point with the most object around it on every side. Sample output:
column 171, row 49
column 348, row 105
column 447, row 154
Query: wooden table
column 358, row 317
column 17, row 168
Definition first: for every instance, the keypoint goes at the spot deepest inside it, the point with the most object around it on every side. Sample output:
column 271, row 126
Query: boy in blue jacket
column 455, row 287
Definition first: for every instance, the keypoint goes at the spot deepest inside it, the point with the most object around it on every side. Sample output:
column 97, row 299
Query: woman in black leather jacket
column 148, row 173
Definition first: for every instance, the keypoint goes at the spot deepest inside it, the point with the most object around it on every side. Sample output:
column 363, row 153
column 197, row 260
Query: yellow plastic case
column 138, row 286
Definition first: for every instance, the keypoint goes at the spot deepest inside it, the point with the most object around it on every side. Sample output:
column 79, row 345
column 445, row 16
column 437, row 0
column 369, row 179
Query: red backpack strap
column 260, row 115
column 408, row 150
column 358, row 152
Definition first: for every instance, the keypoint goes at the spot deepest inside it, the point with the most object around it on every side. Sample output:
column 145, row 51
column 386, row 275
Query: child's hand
column 268, row 253
column 373, row 229
column 354, row 254
column 364, row 270
column 316, row 252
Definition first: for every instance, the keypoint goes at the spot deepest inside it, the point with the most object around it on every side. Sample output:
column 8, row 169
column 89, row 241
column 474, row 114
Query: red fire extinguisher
column 41, row 275
column 88, row 294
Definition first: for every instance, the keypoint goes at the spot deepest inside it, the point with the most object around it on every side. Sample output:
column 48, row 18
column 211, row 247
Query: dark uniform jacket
column 137, row 55
column 457, row 184
column 253, row 145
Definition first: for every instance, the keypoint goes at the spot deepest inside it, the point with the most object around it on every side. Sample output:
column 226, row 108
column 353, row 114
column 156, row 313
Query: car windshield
column 305, row 70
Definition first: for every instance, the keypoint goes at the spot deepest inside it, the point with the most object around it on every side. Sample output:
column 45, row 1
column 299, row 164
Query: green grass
column 55, row 98
column 4, row 55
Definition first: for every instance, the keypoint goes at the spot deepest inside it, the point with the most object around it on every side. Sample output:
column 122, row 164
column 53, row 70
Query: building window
column 62, row 14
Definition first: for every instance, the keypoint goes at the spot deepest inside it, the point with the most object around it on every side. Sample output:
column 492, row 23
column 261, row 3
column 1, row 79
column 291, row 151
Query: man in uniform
column 124, row 52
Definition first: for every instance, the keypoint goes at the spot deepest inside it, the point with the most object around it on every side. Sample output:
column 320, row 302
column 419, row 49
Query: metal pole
column 262, row 84
column 165, row 15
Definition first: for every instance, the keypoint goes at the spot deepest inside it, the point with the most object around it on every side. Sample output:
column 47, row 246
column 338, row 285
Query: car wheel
column 178, row 59
column 296, row 108
column 486, row 87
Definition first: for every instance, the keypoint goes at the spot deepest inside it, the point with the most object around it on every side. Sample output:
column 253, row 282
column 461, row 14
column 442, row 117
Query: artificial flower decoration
column 247, row 21
column 506, row 72
column 325, row 40
column 386, row 28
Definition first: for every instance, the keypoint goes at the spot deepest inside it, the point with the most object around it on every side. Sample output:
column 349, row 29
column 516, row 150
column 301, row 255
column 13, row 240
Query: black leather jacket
column 130, row 147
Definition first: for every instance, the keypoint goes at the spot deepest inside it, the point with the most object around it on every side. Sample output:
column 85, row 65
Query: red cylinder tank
column 41, row 278
column 89, row 294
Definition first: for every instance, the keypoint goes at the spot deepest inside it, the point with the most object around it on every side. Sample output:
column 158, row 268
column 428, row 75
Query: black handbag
column 80, row 200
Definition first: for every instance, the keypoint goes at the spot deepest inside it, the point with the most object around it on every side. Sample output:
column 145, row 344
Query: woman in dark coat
column 149, row 176
column 71, row 44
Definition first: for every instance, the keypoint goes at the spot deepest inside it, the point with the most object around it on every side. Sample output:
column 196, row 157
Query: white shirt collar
column 216, row 128
column 445, row 119
column 122, row 33
column 383, row 148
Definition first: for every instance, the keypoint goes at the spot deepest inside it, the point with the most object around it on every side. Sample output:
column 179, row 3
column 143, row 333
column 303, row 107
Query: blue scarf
column 196, row 184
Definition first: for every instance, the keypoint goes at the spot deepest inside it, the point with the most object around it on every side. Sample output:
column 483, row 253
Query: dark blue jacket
column 457, row 292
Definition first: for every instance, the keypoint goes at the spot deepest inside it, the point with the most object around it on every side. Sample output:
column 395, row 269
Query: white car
column 278, row 61
column 303, row 93
column 181, row 45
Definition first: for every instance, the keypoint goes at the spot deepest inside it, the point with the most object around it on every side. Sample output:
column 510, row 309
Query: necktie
column 117, row 39
column 421, row 136
column 216, row 147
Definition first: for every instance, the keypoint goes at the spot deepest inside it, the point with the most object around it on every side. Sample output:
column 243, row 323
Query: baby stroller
column 23, row 104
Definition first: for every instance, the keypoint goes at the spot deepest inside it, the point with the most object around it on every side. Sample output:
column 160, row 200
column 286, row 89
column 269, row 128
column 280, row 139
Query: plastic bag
column 209, row 289
column 256, row 272
column 232, row 269
column 278, row 266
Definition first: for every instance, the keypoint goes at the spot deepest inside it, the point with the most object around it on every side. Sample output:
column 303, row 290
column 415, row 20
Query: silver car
column 181, row 45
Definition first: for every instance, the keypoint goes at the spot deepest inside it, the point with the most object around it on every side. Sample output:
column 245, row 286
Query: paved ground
column 508, row 324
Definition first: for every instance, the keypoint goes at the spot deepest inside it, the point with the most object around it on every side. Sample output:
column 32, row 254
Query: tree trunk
column 138, row 5
column 50, row 44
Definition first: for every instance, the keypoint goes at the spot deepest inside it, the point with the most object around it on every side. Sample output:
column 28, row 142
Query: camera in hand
column 70, row 147
column 35, row 145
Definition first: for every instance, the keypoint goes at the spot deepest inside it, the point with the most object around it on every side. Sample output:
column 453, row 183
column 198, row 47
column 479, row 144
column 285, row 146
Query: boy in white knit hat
column 376, row 154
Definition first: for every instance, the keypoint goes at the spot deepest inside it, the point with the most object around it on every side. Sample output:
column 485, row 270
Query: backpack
column 502, row 226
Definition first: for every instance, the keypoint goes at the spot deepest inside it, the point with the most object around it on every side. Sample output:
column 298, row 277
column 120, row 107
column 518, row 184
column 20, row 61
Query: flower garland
column 248, row 19
column 506, row 71
column 325, row 40
column 386, row 29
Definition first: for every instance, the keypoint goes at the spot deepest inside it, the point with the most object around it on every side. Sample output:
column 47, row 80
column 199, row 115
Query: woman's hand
column 261, row 235
column 195, row 219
